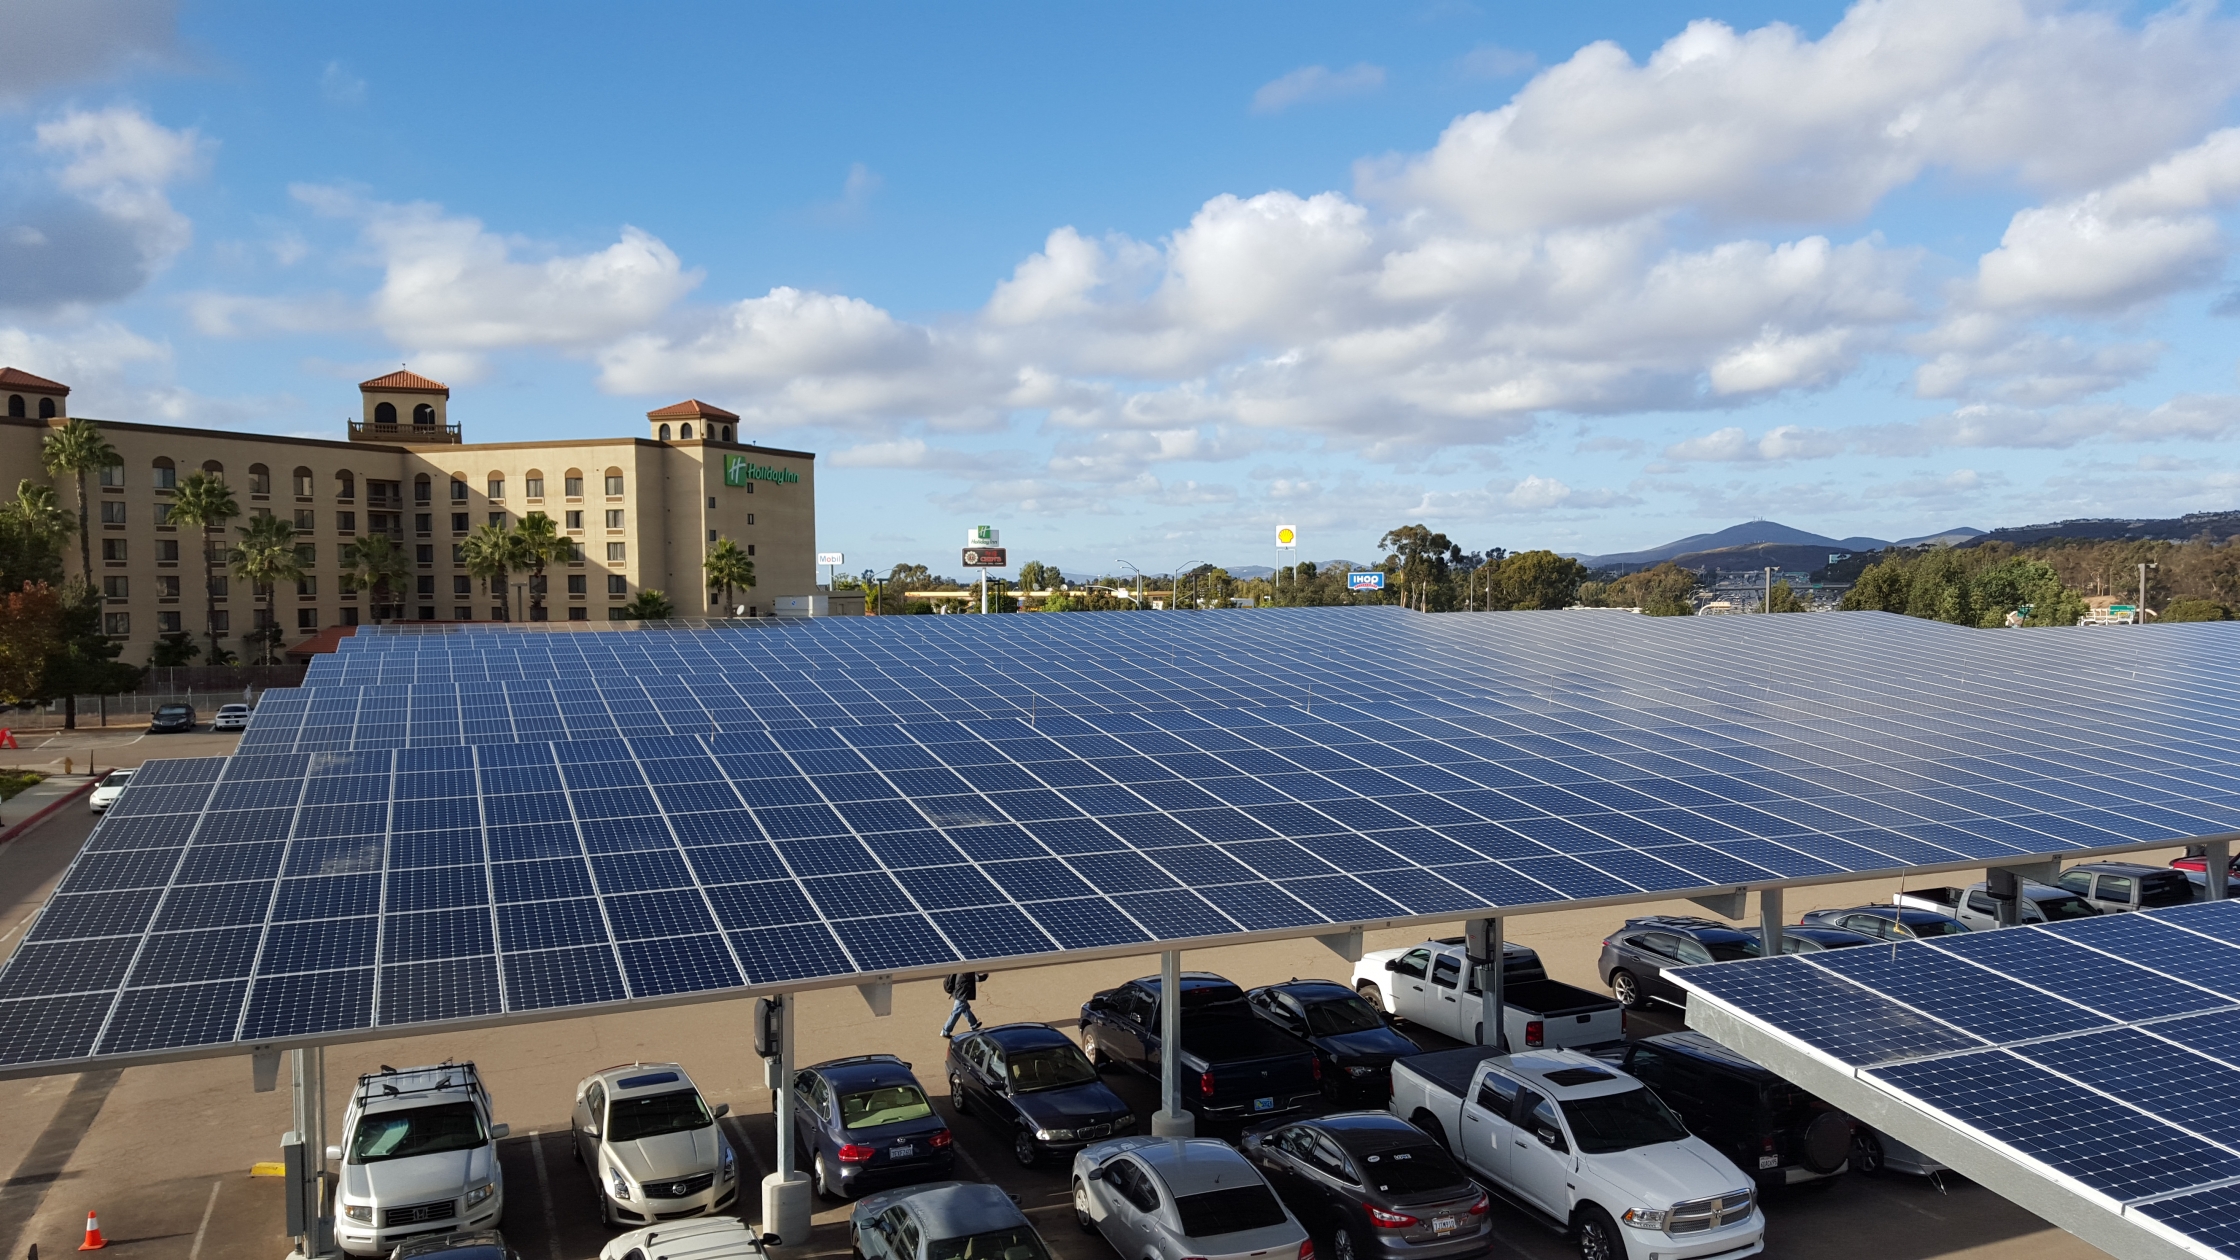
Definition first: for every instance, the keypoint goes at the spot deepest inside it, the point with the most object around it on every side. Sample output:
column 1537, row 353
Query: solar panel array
column 2106, row 1050
column 475, row 825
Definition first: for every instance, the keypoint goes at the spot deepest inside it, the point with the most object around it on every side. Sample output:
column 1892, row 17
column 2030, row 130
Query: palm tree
column 649, row 605
column 728, row 568
column 205, row 502
column 74, row 448
column 266, row 558
column 538, row 541
column 374, row 562
column 491, row 552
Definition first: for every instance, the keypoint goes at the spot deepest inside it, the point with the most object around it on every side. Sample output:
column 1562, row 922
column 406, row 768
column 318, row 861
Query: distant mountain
column 1748, row 534
column 2214, row 525
column 1953, row 537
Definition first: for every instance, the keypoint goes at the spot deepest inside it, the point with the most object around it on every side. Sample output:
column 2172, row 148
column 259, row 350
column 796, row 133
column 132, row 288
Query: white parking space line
column 203, row 1230
column 544, row 1188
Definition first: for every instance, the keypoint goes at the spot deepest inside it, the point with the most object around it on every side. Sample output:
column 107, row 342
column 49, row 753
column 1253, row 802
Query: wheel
column 1342, row 1246
column 1373, row 995
column 1097, row 1057
column 823, row 1181
column 1598, row 1235
column 1024, row 1150
column 1429, row 1123
column 1081, row 1215
column 957, row 1098
column 1827, row 1142
column 1866, row 1153
column 1627, row 990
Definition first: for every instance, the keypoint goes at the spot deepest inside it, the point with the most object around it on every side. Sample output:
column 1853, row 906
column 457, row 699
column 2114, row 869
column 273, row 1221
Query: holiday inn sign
column 738, row 472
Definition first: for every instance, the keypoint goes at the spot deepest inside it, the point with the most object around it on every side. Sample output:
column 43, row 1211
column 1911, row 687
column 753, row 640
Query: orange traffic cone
column 94, row 1241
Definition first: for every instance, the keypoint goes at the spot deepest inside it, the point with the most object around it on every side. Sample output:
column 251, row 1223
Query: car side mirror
column 1392, row 964
column 498, row 1131
column 1101, row 1172
column 334, row 1152
column 722, row 1110
column 1548, row 1137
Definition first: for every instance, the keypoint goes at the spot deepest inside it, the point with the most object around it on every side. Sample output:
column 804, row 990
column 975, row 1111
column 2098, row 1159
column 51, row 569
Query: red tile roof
column 406, row 383
column 690, row 408
column 20, row 379
column 326, row 640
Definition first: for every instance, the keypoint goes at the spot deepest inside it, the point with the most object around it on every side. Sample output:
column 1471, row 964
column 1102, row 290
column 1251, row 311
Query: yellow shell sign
column 1286, row 536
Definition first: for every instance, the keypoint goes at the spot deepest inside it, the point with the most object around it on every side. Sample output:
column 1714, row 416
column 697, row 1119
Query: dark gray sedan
column 864, row 1122
column 948, row 1220
column 1375, row 1186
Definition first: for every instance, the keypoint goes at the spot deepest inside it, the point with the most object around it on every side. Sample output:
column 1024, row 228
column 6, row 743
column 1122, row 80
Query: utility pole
column 2141, row 615
column 1769, row 588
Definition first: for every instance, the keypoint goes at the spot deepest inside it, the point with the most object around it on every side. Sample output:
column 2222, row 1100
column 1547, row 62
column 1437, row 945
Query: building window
column 614, row 613
column 112, row 511
column 579, row 614
column 167, row 475
column 424, row 554
column 614, row 482
column 498, row 613
column 168, row 623
column 346, row 522
column 112, row 550
column 664, row 433
column 385, row 413
column 575, row 552
column 307, row 586
column 462, row 585
column 459, row 523
column 307, row 554
column 112, row 475
column 458, row 554
column 167, row 587
column 537, row 585
column 117, row 625
column 218, row 586
column 167, row 551
column 577, row 585
column 614, row 518
column 260, row 479
column 345, row 487
column 617, row 584
column 497, row 488
column 533, row 485
column 303, row 483
column 498, row 519
column 15, row 406
column 458, row 490
column 462, row 613
column 306, row 520
column 424, row 416
column 727, row 433
column 221, row 622
column 615, row 553
column 307, row 618
column 427, row 587
column 575, row 520
column 684, row 431
column 118, row 587
column 711, row 535
column 572, row 486
column 349, row 616
column 422, row 489
column 163, row 515
column 423, row 523
column 750, row 549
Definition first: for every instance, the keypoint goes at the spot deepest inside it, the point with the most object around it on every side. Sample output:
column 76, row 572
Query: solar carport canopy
column 538, row 823
column 2086, row 1070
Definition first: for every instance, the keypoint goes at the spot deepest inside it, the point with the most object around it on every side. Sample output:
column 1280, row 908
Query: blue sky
column 1138, row 283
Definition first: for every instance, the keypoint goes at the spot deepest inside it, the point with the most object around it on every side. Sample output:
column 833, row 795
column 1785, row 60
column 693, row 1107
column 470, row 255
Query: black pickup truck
column 1235, row 1066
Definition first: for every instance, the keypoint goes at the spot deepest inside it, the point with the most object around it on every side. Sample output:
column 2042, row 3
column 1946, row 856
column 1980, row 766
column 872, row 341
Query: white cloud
column 856, row 191
column 1732, row 445
column 110, row 224
column 338, row 86
column 2187, row 417
column 1316, row 83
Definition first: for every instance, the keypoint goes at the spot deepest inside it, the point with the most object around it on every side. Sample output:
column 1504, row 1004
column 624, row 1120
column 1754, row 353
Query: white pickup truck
column 1973, row 905
column 1576, row 1141
column 1433, row 986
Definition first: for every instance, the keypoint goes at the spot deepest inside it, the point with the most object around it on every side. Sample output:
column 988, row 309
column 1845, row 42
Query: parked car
column 1192, row 1199
column 1433, row 986
column 2195, row 864
column 1889, row 923
column 231, row 717
column 707, row 1238
column 1239, row 1066
column 948, row 1220
column 1874, row 1152
column 106, row 792
column 1581, row 1144
column 2119, row 886
column 1780, row 1133
column 651, row 1144
column 1811, row 938
column 864, row 1122
column 1634, row 957
column 1375, row 1185
column 170, row 719
column 476, row 1244
column 1973, row 905
column 1354, row 1045
column 419, row 1153
column 1032, row 1081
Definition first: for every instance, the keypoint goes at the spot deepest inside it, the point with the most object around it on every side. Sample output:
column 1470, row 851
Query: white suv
column 419, row 1156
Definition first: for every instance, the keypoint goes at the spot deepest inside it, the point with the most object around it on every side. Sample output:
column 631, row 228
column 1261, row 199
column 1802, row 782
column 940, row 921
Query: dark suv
column 1772, row 1130
column 1634, row 957
column 1889, row 923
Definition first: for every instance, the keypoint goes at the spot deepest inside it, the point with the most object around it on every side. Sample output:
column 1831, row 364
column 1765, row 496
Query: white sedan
column 709, row 1238
column 1163, row 1199
column 106, row 792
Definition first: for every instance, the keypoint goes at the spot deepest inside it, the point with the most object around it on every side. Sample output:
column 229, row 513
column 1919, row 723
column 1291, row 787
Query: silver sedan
column 1169, row 1198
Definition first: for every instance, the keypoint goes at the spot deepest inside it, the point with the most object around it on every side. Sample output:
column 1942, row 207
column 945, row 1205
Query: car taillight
column 1479, row 1208
column 1387, row 1220
column 1766, row 1143
column 942, row 1139
column 1205, row 1085
column 1306, row 1250
column 1535, row 1032
column 1318, row 1067
column 851, row 1153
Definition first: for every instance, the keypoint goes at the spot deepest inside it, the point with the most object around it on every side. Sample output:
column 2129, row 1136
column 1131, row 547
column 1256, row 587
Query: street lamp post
column 2143, row 567
column 1139, row 584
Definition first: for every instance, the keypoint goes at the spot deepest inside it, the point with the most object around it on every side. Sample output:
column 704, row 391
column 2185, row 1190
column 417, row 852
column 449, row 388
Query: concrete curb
column 58, row 802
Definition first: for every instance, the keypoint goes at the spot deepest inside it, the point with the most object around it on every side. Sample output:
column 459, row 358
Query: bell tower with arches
column 404, row 406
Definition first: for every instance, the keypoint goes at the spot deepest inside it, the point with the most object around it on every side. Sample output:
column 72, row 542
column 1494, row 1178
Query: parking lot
column 164, row 1153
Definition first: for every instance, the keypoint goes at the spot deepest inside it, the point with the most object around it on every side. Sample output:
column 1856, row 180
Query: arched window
column 424, row 415
column 458, row 487
column 422, row 489
column 664, row 433
column 167, row 473
column 573, row 485
column 46, row 409
column 384, row 413
column 497, row 485
column 214, row 468
column 614, row 481
column 727, row 433
column 260, row 479
column 15, row 405
column 303, row 483
column 685, row 431
column 532, row 483
column 345, row 486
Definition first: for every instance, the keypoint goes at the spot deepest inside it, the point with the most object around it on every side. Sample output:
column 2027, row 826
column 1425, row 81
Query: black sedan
column 862, row 1122
column 1350, row 1037
column 1375, row 1186
column 170, row 718
column 1032, row 1080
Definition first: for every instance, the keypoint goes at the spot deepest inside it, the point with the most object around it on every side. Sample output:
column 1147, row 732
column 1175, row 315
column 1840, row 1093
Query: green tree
column 29, row 617
column 83, row 661
column 1420, row 564
column 266, row 558
column 31, row 532
column 648, row 605
column 205, row 503
column 491, row 552
column 78, row 447
column 539, row 543
column 1664, row 591
column 1783, row 600
column 1034, row 575
column 1534, row 579
column 2195, row 610
column 728, row 569
column 374, row 564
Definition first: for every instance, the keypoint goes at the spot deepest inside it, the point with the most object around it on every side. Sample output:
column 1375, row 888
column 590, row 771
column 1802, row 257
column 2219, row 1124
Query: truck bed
column 1450, row 1070
column 1553, row 999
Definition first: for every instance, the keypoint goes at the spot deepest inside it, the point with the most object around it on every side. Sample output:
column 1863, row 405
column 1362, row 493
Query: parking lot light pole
column 785, row 1192
column 1171, row 1120
column 1769, row 921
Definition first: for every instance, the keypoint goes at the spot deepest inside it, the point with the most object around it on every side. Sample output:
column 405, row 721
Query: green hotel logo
column 738, row 472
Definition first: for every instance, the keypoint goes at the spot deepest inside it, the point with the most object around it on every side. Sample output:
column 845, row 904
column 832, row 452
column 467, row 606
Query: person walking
column 961, row 988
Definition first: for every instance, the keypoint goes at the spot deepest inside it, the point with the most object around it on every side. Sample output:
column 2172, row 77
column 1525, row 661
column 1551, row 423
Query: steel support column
column 785, row 1192
column 2217, row 867
column 1769, row 921
column 1171, row 1120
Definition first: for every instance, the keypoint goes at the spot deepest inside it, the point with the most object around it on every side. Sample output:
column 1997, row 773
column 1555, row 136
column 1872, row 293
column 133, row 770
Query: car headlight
column 618, row 1182
column 1055, row 1135
column 1646, row 1218
column 1124, row 1122
column 730, row 1166
column 362, row 1213
column 480, row 1195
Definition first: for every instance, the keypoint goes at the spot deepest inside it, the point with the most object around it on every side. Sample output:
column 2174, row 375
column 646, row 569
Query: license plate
column 903, row 1152
column 1263, row 1104
column 1769, row 1161
column 1442, row 1224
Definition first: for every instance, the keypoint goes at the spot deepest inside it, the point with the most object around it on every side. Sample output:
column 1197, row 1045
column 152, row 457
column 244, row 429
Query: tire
column 1081, row 1207
column 823, row 1182
column 1097, row 1057
column 1342, row 1246
column 1866, row 1153
column 957, row 1100
column 1627, row 989
column 1429, row 1123
column 1598, row 1235
column 1827, row 1142
column 1024, row 1150
column 1373, row 995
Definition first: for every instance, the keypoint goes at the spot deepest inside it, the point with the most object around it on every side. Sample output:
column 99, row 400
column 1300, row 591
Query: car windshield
column 1054, row 1068
column 117, row 778
column 1339, row 1016
column 1230, row 1211
column 1016, row 1243
column 1620, row 1122
column 889, row 1104
column 1935, row 927
column 426, row 1130
column 2058, row 908
column 650, row 1115
column 1411, row 1168
column 173, row 710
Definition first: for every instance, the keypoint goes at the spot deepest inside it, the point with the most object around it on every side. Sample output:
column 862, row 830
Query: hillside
column 2213, row 525
column 1734, row 537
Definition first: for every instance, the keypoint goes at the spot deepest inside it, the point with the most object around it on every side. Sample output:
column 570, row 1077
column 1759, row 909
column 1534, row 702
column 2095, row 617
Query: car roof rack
column 392, row 1082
